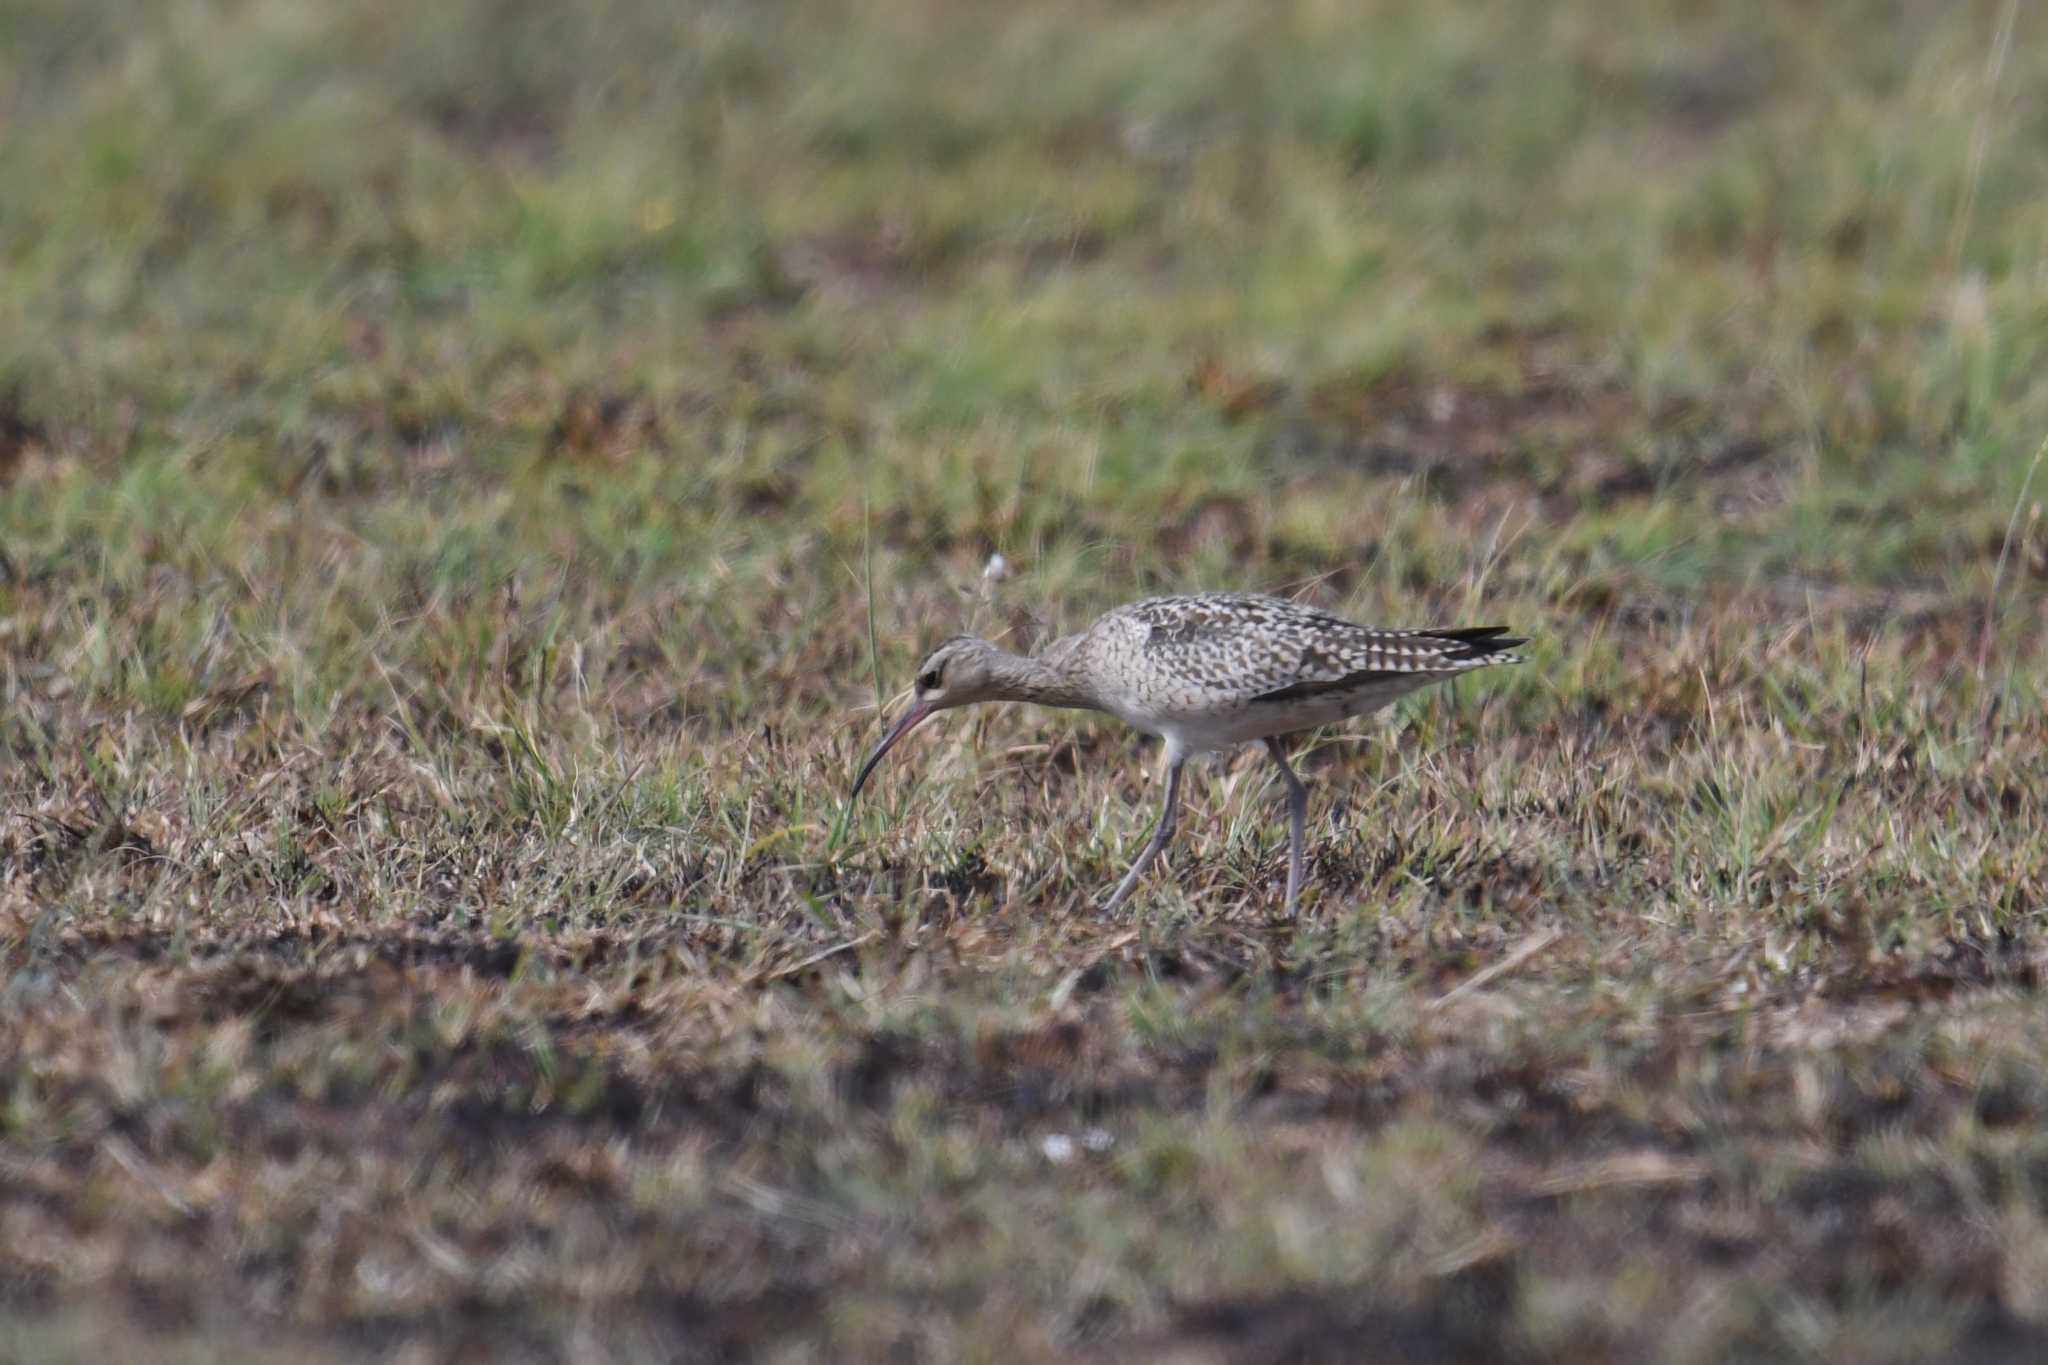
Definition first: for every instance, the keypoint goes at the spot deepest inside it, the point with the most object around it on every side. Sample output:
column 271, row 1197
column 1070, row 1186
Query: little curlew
column 1205, row 672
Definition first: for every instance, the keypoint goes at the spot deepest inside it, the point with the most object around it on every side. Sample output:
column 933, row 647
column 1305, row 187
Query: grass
column 467, row 474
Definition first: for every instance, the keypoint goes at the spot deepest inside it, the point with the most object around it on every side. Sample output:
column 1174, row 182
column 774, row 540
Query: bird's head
column 960, row 671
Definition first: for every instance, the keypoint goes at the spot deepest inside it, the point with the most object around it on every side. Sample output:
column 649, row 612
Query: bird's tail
column 1480, row 644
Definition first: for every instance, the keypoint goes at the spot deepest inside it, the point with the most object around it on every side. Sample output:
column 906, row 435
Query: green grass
column 469, row 472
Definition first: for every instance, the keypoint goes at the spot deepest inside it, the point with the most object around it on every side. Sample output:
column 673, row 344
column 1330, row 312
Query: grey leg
column 1160, row 835
column 1297, row 823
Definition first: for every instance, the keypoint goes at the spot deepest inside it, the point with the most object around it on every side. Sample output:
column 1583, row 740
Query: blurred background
column 470, row 473
column 1165, row 294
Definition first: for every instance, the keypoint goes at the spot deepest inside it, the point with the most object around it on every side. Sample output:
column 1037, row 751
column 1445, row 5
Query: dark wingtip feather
column 1480, row 641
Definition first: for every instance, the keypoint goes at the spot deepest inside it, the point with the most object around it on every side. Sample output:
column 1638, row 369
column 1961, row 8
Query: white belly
column 1199, row 730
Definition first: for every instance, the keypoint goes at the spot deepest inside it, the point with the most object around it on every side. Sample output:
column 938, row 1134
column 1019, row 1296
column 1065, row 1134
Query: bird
column 1204, row 672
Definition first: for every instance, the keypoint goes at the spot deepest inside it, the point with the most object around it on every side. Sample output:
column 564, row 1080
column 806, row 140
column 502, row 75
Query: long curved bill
column 905, row 723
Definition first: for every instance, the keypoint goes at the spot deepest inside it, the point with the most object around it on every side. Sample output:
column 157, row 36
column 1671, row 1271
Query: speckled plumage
column 1205, row 671
column 1208, row 670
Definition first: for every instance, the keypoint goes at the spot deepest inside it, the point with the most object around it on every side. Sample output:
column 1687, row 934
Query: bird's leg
column 1297, row 822
column 1160, row 835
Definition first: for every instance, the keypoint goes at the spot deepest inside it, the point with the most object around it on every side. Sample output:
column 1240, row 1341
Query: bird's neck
column 1047, row 680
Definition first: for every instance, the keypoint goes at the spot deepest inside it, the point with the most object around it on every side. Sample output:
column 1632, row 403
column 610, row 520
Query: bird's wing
column 1267, row 649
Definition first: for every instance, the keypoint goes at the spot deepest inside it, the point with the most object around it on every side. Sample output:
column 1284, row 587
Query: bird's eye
column 928, row 681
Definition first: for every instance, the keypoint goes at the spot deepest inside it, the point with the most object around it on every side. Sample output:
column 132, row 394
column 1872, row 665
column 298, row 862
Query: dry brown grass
column 438, row 517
